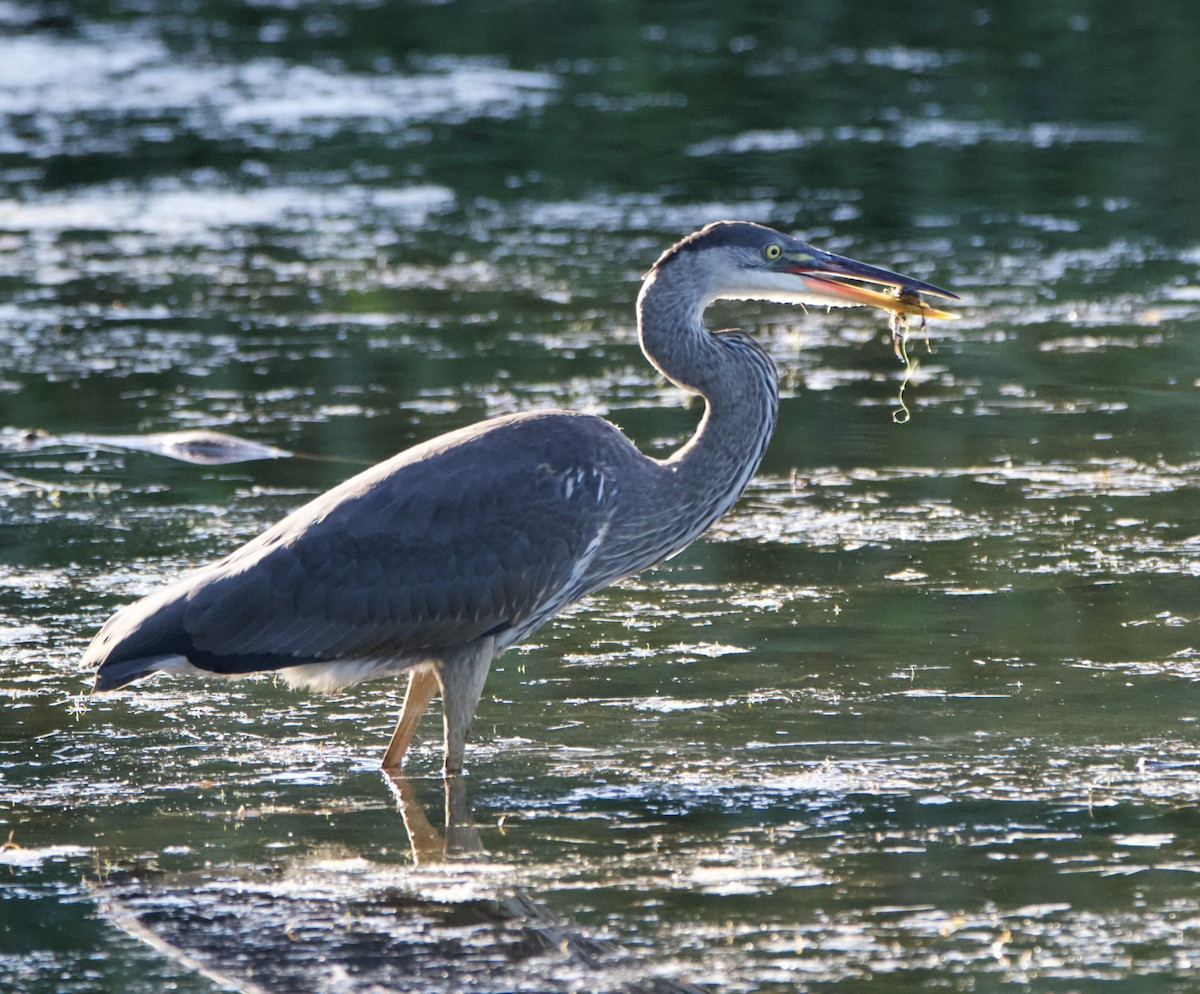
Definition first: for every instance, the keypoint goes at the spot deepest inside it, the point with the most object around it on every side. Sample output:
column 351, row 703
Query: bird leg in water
column 422, row 685
column 462, row 677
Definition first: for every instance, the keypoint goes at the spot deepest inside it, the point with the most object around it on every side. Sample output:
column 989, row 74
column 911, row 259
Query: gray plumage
column 438, row 559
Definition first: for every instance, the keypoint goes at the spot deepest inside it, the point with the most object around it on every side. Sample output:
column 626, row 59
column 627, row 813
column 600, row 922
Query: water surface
column 918, row 714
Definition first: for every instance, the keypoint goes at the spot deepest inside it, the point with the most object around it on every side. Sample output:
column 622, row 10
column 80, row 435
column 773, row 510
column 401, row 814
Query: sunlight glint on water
column 918, row 714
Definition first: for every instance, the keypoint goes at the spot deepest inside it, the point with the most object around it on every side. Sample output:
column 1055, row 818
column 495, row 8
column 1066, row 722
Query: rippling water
column 919, row 713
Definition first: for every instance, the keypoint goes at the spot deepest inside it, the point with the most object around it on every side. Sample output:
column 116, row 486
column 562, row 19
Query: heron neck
column 740, row 387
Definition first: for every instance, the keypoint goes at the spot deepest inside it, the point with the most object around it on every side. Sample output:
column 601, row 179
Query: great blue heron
column 435, row 561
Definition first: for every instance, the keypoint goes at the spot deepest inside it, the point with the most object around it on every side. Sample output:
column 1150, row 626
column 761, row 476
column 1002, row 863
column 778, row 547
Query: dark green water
column 918, row 715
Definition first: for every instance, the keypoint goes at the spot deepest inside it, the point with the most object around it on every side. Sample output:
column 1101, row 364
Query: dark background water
column 918, row 714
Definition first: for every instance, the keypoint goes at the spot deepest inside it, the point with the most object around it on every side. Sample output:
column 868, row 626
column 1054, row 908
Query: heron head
column 740, row 260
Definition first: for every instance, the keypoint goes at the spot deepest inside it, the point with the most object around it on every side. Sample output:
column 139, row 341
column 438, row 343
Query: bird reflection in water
column 334, row 921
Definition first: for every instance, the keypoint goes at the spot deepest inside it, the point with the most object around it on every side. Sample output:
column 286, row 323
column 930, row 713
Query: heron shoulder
column 516, row 453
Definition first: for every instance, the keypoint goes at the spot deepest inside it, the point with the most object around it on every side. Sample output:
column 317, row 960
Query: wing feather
column 464, row 536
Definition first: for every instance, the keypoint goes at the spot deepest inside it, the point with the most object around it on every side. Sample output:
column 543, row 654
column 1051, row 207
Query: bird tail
column 120, row 673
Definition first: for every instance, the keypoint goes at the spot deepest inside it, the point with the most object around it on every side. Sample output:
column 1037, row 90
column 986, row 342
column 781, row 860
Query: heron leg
column 422, row 685
column 462, row 677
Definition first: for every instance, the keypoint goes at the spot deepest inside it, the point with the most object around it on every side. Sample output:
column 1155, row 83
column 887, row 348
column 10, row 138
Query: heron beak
column 835, row 276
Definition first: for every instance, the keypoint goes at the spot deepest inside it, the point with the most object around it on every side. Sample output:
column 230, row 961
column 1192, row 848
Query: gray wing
column 480, row 531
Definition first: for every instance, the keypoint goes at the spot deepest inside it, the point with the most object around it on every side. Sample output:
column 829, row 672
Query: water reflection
column 919, row 715
column 331, row 920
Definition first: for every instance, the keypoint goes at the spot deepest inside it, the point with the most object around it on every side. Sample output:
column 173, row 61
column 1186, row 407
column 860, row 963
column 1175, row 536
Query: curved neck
column 740, row 387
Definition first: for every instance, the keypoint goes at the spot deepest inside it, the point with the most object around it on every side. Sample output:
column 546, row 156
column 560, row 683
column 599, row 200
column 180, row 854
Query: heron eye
column 772, row 252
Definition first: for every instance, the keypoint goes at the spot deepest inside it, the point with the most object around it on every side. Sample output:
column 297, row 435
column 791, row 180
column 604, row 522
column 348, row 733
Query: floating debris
column 209, row 448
